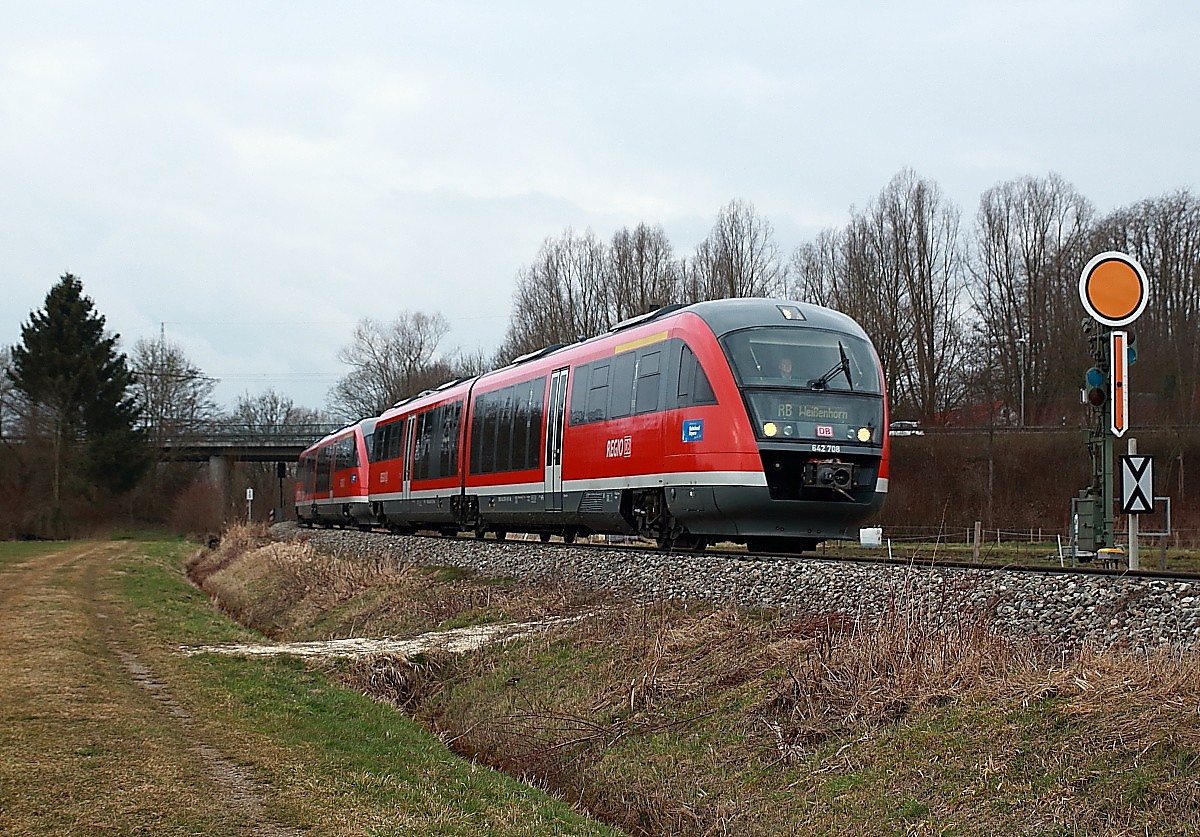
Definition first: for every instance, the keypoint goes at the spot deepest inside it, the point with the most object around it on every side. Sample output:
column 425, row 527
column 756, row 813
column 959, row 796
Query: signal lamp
column 770, row 428
column 1096, row 392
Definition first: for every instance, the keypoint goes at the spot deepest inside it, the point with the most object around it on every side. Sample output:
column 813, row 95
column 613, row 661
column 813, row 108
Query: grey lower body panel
column 714, row 511
column 753, row 513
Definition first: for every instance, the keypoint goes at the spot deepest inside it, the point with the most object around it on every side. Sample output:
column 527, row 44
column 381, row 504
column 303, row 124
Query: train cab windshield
column 808, row 384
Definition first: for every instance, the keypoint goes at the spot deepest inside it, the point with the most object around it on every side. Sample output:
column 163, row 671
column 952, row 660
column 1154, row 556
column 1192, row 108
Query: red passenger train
column 745, row 420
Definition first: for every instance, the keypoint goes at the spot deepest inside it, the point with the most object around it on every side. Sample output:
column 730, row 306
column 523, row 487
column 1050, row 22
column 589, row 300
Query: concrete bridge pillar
column 220, row 475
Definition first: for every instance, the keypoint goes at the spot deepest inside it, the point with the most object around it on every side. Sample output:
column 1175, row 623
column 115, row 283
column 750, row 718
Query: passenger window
column 598, row 394
column 648, row 382
column 579, row 394
column 693, row 389
column 623, row 367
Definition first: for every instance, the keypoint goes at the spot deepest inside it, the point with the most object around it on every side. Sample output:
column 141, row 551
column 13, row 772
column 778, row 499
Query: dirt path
column 92, row 740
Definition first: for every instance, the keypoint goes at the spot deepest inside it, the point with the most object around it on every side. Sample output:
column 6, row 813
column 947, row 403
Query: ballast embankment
column 1068, row 610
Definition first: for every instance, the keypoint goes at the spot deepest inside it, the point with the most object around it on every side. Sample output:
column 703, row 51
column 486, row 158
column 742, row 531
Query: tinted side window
column 621, row 387
column 323, row 464
column 421, row 451
column 507, row 428
column 693, row 388
column 580, row 380
column 448, row 459
column 382, row 436
column 395, row 448
column 597, row 404
column 645, row 394
column 504, row 430
column 537, row 401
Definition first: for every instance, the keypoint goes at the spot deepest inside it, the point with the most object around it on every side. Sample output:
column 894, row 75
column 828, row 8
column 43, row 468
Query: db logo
column 824, row 430
column 619, row 447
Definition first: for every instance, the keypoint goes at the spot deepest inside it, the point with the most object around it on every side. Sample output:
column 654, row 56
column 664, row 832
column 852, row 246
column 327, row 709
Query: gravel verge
column 1068, row 610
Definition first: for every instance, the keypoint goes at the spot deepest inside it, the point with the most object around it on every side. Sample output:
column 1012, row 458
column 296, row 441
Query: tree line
column 970, row 317
column 82, row 423
column 976, row 320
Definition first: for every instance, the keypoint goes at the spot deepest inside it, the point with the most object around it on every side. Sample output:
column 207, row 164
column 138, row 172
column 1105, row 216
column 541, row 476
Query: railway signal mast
column 1114, row 292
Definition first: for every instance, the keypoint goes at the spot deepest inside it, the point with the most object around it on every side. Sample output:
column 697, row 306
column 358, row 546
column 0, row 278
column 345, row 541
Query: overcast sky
column 252, row 178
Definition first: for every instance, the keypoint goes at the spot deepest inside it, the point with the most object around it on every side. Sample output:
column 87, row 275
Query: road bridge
column 241, row 442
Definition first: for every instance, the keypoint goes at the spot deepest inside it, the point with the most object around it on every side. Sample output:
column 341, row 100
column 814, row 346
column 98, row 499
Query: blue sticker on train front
column 693, row 430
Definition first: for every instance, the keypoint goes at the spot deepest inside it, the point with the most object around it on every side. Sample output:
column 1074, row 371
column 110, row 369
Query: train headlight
column 864, row 434
column 770, row 428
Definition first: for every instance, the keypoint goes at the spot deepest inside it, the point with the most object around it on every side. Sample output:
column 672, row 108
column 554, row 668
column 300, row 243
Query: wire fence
column 1177, row 539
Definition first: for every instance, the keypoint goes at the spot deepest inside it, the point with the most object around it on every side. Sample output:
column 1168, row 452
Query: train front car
column 790, row 446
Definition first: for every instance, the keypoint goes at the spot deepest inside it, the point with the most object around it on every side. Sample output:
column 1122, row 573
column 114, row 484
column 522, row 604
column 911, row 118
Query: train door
column 556, row 414
column 406, row 486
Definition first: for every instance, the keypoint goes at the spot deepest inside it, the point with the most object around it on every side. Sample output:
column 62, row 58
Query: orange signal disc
column 1113, row 289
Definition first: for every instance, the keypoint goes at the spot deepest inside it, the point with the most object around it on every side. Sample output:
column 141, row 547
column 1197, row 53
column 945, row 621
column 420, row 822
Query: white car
column 905, row 428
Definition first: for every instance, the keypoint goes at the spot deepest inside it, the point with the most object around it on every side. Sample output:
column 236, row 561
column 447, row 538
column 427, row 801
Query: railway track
column 1067, row 607
column 882, row 560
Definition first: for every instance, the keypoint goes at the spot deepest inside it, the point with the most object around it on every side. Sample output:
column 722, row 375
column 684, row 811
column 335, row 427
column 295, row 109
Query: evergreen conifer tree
column 77, row 388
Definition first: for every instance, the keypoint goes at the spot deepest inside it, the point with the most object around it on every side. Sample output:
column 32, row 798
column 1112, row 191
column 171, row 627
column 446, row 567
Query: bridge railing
column 239, row 435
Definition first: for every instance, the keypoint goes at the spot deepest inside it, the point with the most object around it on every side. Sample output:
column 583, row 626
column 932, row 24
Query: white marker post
column 1133, row 520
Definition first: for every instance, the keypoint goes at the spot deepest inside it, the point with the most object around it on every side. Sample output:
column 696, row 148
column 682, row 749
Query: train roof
column 723, row 316
column 726, row 315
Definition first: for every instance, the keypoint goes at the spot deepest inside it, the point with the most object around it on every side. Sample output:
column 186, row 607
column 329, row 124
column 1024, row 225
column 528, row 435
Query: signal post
column 1114, row 292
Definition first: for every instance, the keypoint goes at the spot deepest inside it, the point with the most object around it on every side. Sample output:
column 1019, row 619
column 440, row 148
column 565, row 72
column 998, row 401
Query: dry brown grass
column 667, row 718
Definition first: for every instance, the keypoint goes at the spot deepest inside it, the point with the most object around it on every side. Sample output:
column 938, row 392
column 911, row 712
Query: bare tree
column 175, row 396
column 388, row 362
column 1031, row 236
column 8, row 393
column 642, row 271
column 817, row 271
column 561, row 297
column 272, row 411
column 918, row 232
column 897, row 268
column 738, row 259
column 1163, row 234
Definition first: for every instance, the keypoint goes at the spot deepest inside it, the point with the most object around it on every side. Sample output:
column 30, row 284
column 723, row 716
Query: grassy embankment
column 108, row 728
column 671, row 719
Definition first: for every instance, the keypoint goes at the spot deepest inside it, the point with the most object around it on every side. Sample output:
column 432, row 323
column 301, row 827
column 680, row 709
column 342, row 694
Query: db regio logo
column 619, row 447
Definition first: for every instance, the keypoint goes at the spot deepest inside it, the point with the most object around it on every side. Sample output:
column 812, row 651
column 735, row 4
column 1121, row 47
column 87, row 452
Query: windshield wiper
column 842, row 366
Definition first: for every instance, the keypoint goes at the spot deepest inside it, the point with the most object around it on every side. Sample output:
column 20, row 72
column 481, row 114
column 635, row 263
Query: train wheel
column 683, row 542
column 501, row 534
column 544, row 537
column 569, row 535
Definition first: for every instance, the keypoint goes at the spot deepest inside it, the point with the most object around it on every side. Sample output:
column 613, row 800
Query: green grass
column 86, row 750
column 16, row 551
column 370, row 763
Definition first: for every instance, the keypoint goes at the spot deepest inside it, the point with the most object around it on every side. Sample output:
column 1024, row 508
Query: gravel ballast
column 1064, row 610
